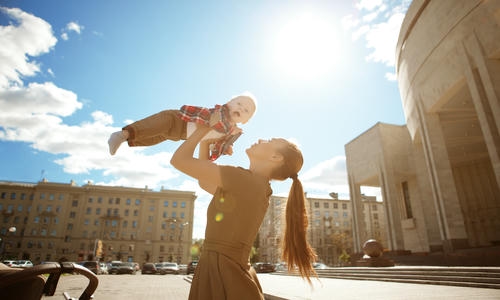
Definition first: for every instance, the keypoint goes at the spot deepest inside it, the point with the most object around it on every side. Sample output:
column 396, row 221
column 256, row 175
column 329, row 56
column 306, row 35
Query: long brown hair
column 296, row 250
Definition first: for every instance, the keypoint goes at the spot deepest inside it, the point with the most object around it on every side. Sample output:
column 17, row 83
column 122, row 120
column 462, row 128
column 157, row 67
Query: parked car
column 319, row 266
column 262, row 267
column 93, row 266
column 104, row 267
column 10, row 263
column 167, row 268
column 117, row 267
column 191, row 267
column 182, row 268
column 149, row 268
column 24, row 263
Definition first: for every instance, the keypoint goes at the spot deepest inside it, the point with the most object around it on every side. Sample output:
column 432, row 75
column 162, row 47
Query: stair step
column 481, row 277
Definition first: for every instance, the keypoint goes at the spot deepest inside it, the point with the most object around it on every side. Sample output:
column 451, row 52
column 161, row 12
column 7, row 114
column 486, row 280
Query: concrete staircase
column 480, row 277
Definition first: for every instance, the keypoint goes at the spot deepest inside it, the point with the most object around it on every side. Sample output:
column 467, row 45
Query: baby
column 179, row 124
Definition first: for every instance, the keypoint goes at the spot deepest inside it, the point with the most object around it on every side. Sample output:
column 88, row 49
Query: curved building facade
column 440, row 173
column 448, row 66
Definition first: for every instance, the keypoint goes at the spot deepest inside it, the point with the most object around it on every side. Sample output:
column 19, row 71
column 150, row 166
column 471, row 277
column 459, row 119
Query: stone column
column 444, row 192
column 358, row 226
column 483, row 76
column 392, row 215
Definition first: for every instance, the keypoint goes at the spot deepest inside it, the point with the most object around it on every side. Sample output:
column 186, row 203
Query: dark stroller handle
column 55, row 270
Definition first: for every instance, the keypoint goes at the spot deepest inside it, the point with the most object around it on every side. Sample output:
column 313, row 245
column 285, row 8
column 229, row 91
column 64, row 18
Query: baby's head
column 242, row 108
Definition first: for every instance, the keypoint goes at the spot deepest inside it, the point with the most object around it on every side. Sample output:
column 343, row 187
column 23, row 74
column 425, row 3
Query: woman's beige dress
column 234, row 217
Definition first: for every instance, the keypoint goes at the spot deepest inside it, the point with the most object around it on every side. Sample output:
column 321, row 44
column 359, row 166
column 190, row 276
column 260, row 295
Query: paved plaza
column 276, row 287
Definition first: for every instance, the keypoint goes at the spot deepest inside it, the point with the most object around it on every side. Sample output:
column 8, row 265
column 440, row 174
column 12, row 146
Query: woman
column 234, row 216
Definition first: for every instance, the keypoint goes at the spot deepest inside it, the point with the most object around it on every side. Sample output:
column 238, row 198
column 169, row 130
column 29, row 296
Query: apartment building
column 330, row 227
column 47, row 221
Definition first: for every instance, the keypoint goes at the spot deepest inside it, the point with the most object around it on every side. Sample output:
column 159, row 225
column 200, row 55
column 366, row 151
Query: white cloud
column 369, row 4
column 35, row 113
column 32, row 36
column 378, row 22
column 71, row 27
column 74, row 26
column 327, row 176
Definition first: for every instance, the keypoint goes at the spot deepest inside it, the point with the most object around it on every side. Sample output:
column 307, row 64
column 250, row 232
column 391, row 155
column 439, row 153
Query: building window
column 134, row 224
column 136, row 212
column 183, row 204
column 344, row 206
column 58, row 208
column 165, row 203
column 125, row 224
column 42, row 196
column 12, row 196
column 126, row 212
column 137, row 201
column 52, row 197
column 374, row 207
column 150, row 219
column 110, row 200
column 99, row 200
column 61, row 196
column 406, row 199
column 70, row 226
column 316, row 204
column 344, row 214
column 182, row 215
column 23, row 196
column 326, row 205
column 116, row 212
column 72, row 215
column 117, row 201
column 74, row 203
column 335, row 205
column 174, row 204
column 128, row 201
column 86, row 222
column 151, row 208
column 4, row 195
column 98, row 211
column 174, row 214
column 89, row 211
column 19, row 208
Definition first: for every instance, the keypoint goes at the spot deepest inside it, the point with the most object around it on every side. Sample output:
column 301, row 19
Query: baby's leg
column 116, row 139
column 165, row 125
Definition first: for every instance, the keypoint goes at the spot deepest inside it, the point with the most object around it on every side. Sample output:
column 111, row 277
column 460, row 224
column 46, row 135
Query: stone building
column 440, row 173
column 57, row 221
column 330, row 227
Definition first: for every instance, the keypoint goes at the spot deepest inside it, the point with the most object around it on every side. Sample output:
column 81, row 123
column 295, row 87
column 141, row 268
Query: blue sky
column 73, row 72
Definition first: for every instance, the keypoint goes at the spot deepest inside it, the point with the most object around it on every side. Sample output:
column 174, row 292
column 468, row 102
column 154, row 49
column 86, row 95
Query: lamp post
column 3, row 240
column 181, row 248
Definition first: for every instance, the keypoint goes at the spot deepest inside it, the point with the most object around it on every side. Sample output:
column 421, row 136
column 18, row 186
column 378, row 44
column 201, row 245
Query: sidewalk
column 278, row 287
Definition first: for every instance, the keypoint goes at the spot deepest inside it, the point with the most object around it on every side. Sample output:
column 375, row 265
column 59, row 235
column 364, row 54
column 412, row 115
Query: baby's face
column 241, row 109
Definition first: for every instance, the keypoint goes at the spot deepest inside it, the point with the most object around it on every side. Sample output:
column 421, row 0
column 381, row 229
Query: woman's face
column 266, row 148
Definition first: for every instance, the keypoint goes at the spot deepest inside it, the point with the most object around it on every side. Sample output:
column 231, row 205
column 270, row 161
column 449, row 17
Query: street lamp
column 180, row 248
column 12, row 230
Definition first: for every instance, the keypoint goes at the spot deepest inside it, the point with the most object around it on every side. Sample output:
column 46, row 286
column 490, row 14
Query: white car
column 10, row 263
column 24, row 263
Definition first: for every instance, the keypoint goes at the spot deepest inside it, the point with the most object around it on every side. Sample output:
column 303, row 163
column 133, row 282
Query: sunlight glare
column 306, row 47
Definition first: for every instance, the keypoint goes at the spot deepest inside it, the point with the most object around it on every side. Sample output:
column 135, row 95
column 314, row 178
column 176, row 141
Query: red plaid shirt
column 217, row 118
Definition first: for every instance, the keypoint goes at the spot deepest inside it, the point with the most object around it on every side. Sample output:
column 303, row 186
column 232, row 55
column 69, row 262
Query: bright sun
column 305, row 47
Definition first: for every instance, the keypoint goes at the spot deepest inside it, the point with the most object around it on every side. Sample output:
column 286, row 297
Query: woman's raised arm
column 202, row 169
